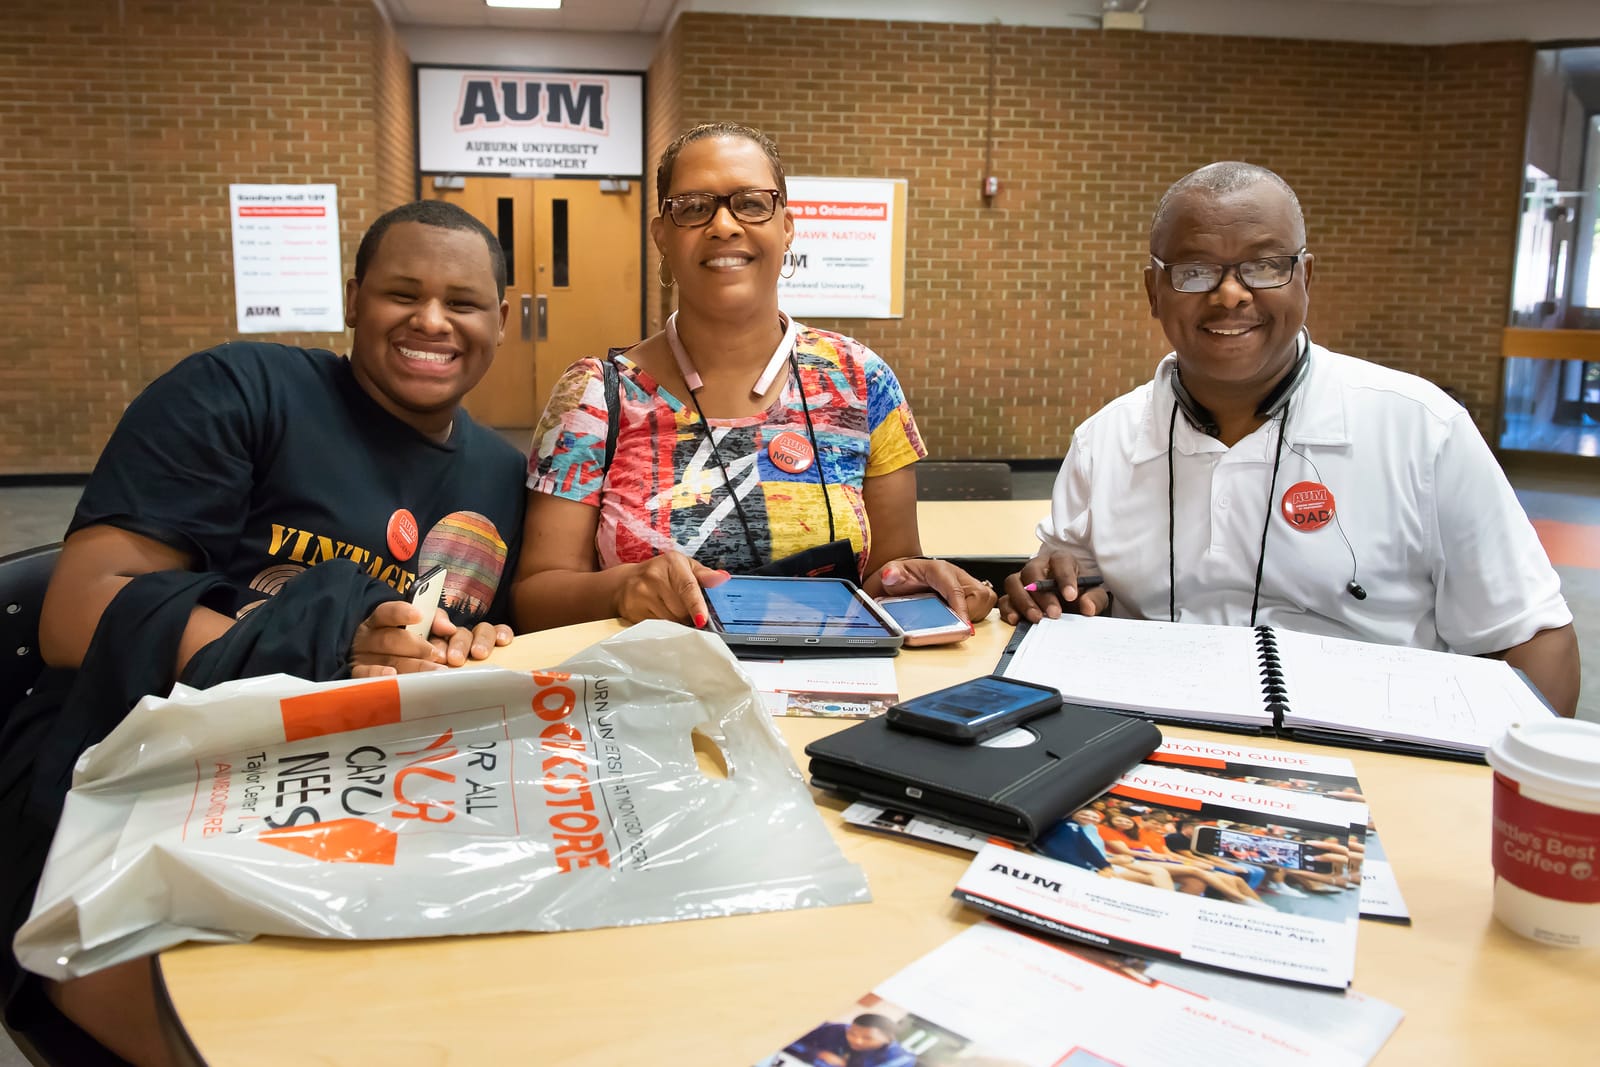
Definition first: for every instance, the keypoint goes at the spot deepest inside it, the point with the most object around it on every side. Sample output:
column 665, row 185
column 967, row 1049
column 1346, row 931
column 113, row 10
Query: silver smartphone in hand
column 425, row 595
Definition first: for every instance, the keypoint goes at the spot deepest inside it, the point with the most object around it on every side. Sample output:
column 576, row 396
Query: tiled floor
column 1523, row 433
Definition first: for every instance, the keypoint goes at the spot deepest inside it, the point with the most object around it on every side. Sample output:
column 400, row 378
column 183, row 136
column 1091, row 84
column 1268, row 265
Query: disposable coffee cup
column 1547, row 831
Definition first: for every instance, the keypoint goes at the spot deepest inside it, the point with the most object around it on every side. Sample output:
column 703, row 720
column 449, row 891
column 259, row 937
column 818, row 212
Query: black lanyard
column 816, row 454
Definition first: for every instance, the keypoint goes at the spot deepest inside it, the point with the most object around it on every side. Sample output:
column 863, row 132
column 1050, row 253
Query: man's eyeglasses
column 689, row 210
column 1270, row 272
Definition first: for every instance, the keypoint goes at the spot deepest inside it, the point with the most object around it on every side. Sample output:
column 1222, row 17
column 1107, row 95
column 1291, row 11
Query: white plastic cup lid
column 1562, row 755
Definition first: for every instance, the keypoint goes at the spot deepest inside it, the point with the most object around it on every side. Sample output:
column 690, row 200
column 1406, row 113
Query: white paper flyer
column 999, row 998
column 847, row 687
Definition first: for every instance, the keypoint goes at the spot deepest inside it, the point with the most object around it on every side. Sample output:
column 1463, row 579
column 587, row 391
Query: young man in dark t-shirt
column 255, row 462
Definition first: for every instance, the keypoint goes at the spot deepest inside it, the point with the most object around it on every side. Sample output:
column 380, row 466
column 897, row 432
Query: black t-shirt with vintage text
column 259, row 460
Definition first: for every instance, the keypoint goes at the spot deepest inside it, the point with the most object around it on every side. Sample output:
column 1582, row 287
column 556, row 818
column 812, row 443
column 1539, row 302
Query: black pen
column 1049, row 585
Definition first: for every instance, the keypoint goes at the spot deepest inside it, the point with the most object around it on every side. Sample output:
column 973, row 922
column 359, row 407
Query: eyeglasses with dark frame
column 1269, row 272
column 693, row 210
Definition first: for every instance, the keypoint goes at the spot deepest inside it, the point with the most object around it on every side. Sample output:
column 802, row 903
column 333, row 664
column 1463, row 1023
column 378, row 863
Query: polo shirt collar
column 1316, row 414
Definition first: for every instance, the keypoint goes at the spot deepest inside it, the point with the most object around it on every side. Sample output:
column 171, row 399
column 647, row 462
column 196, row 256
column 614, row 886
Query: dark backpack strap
column 613, row 416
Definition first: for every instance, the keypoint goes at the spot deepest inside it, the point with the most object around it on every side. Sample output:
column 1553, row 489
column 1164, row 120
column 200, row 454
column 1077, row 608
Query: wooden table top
column 980, row 527
column 732, row 990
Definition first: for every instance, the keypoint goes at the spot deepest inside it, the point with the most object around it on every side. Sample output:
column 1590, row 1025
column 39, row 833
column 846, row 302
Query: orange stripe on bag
column 333, row 711
column 337, row 841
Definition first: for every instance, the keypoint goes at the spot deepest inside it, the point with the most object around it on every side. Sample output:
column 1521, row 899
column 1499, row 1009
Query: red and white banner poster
column 286, row 269
column 848, row 260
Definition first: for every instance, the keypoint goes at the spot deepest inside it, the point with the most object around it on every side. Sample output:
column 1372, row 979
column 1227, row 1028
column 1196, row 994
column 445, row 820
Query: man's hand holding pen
column 1048, row 585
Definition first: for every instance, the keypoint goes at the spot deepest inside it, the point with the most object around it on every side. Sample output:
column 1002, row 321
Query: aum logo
column 573, row 104
column 262, row 310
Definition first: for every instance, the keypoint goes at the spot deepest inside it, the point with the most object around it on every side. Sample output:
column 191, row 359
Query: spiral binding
column 1274, row 694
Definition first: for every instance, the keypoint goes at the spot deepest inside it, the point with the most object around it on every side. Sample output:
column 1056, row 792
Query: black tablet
column 752, row 612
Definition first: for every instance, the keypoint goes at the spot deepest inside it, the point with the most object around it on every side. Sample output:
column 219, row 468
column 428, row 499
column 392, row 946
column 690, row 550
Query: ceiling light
column 543, row 5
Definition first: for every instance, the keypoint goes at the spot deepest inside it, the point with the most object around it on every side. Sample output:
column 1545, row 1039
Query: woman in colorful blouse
column 745, row 440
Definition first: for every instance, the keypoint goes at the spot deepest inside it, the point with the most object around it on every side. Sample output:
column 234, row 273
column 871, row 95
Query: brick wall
column 664, row 115
column 121, row 127
column 395, row 122
column 1025, row 316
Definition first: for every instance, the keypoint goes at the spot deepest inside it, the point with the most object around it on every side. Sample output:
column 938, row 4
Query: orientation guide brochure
column 1301, row 772
column 1292, row 769
column 1175, row 865
column 995, row 997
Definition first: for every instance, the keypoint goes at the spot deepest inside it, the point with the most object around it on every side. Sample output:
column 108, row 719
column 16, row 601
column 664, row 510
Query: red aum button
column 790, row 452
column 1308, row 506
column 402, row 535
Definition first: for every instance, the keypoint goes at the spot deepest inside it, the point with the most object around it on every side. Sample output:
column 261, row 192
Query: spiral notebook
column 1273, row 681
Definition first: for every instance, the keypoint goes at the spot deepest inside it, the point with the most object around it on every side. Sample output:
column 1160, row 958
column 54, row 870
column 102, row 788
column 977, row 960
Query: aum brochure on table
column 1306, row 772
column 1301, row 772
column 996, row 997
column 1179, row 866
column 843, row 687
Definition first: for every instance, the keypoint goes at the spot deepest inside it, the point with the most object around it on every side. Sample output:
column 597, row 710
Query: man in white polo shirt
column 1260, row 478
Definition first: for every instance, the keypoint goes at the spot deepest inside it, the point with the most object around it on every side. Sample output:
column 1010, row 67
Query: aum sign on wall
column 538, row 123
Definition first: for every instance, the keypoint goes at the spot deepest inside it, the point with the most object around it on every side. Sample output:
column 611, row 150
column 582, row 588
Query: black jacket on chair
column 305, row 631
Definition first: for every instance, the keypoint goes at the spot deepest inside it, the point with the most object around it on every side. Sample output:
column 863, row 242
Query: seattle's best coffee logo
column 571, row 104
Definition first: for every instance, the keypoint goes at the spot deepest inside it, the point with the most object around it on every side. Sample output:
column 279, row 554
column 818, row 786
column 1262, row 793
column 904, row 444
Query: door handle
column 544, row 318
column 527, row 317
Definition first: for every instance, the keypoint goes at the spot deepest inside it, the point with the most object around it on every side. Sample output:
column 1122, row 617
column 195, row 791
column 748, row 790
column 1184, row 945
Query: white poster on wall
column 849, row 253
column 286, row 269
column 532, row 123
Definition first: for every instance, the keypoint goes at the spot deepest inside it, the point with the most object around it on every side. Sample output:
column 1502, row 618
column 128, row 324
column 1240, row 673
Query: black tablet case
column 1014, row 793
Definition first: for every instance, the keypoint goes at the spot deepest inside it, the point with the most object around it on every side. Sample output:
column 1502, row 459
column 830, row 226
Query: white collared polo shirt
column 1430, row 527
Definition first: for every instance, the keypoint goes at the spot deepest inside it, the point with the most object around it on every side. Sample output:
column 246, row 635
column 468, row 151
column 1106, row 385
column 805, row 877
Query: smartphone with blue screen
column 975, row 710
column 926, row 619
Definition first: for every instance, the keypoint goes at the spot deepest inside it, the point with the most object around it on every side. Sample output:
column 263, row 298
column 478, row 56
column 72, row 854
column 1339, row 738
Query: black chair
column 54, row 1041
column 963, row 481
column 23, row 577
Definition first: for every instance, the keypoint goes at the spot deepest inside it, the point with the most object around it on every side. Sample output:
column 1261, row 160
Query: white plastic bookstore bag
column 449, row 802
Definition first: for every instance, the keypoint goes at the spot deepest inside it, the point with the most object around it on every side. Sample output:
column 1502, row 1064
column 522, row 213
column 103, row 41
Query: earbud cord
column 727, row 482
column 1348, row 547
column 733, row 494
column 1172, row 517
column 816, row 453
column 1172, row 521
column 1272, row 490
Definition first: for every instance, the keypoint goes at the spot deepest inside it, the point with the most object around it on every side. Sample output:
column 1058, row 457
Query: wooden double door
column 573, row 264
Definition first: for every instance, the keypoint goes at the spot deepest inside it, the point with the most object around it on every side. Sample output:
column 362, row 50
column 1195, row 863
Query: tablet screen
column 789, row 607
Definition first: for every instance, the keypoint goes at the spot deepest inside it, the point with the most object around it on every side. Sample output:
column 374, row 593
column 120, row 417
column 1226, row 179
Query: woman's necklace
column 691, row 377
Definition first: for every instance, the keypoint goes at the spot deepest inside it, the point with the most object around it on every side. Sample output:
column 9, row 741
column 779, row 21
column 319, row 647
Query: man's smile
column 423, row 356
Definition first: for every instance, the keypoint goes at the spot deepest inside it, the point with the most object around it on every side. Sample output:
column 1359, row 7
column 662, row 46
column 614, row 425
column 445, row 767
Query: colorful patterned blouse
column 665, row 489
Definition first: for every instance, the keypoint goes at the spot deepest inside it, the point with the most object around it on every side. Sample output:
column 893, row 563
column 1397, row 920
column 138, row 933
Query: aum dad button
column 1308, row 506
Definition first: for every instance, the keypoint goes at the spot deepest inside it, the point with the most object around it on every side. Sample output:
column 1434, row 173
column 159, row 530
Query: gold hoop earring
column 664, row 273
column 791, row 263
